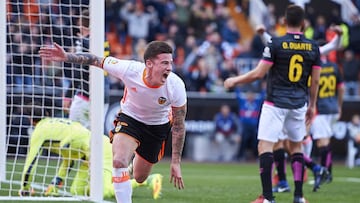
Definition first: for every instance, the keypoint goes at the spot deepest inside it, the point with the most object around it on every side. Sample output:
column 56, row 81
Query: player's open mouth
column 165, row 75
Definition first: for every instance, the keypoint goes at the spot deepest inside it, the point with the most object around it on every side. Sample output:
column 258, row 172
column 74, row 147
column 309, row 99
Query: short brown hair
column 295, row 15
column 155, row 48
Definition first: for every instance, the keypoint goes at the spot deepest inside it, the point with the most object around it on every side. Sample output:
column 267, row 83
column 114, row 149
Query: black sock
column 326, row 157
column 309, row 163
column 279, row 160
column 297, row 166
column 266, row 162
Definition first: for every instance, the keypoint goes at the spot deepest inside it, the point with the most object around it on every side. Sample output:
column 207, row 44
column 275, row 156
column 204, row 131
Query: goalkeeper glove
column 52, row 189
column 26, row 192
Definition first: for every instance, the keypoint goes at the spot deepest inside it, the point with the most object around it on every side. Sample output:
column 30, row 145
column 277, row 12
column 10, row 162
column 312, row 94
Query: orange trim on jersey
column 125, row 176
column 124, row 95
column 147, row 84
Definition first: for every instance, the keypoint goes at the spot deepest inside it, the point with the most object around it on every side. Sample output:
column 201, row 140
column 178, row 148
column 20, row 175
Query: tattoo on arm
column 178, row 132
column 84, row 58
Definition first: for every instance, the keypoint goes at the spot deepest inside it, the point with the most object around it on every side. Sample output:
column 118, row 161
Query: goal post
column 25, row 78
column 2, row 90
column 97, row 33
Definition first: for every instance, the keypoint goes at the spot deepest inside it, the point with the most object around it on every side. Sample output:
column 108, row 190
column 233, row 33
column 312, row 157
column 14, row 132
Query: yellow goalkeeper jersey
column 64, row 137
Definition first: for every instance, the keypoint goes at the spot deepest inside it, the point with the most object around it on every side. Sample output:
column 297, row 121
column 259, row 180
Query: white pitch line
column 67, row 195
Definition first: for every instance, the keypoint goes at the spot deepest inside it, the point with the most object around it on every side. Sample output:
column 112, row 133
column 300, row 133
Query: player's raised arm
column 57, row 53
column 335, row 43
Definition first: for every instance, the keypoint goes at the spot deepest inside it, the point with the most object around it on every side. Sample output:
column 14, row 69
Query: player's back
column 59, row 129
column 330, row 79
column 293, row 57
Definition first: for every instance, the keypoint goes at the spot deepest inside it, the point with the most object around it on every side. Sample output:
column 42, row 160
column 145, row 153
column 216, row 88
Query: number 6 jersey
column 293, row 58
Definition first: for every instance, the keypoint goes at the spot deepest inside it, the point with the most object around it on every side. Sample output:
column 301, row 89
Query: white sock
column 122, row 185
column 307, row 146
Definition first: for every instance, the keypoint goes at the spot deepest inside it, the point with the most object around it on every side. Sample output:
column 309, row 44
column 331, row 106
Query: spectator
column 320, row 28
column 354, row 38
column 280, row 27
column 183, row 13
column 226, row 135
column 199, row 77
column 354, row 133
column 249, row 110
column 308, row 29
column 351, row 69
column 139, row 21
column 201, row 15
column 230, row 33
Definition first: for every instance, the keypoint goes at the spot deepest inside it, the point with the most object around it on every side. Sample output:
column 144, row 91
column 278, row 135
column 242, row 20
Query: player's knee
column 140, row 178
column 120, row 163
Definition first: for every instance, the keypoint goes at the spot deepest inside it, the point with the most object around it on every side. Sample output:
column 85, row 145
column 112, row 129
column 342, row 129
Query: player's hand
column 52, row 189
column 175, row 176
column 337, row 29
column 310, row 114
column 26, row 192
column 53, row 53
column 229, row 82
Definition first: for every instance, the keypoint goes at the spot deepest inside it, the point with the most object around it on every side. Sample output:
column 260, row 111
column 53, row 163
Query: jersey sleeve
column 178, row 93
column 317, row 62
column 330, row 46
column 116, row 67
column 268, row 53
column 36, row 142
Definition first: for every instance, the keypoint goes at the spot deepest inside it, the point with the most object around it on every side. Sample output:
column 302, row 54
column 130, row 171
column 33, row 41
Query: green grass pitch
column 240, row 182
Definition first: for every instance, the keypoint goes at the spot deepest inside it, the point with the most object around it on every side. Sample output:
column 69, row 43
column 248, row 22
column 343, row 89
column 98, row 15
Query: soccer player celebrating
column 153, row 97
column 71, row 141
column 289, row 61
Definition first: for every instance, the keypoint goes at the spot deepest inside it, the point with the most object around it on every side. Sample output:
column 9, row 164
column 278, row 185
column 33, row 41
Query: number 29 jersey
column 330, row 80
column 293, row 58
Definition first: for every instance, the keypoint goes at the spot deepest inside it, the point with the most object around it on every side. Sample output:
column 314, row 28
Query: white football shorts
column 321, row 126
column 275, row 122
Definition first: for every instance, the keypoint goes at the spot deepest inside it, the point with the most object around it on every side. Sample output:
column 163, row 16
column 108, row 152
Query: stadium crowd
column 209, row 44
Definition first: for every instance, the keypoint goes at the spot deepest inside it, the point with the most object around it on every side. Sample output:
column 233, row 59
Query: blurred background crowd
column 212, row 40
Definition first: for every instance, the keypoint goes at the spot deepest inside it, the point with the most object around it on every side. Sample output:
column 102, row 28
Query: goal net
column 28, row 81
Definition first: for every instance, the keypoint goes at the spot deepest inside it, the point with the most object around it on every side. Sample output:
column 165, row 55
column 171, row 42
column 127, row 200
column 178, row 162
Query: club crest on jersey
column 161, row 100
column 113, row 61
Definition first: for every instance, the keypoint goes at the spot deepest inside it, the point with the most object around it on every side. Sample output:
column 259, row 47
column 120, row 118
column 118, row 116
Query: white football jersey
column 149, row 105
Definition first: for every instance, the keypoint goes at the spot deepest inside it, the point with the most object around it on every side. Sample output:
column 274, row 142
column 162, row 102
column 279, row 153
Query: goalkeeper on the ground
column 71, row 141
